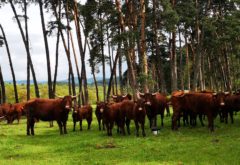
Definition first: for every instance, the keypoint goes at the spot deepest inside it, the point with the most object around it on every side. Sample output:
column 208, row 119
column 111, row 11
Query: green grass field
column 186, row 146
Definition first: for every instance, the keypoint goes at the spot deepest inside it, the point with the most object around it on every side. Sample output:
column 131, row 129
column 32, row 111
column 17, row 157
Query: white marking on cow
column 67, row 107
column 222, row 104
column 101, row 110
column 140, row 108
column 148, row 103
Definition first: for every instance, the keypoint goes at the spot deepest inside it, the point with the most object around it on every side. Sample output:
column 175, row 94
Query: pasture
column 185, row 146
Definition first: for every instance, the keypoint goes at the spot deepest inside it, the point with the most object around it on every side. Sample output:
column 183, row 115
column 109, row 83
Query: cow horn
column 114, row 96
column 141, row 94
column 124, row 96
column 226, row 93
column 214, row 94
column 2, row 117
column 154, row 93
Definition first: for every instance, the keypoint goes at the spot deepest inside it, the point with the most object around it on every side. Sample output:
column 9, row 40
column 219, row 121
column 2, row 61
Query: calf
column 135, row 111
column 111, row 114
column 99, row 115
column 84, row 112
column 155, row 103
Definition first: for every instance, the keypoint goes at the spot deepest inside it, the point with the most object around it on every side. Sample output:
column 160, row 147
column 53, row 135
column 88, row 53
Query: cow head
column 100, row 106
column 140, row 105
column 120, row 98
column 67, row 102
column 219, row 98
column 147, row 97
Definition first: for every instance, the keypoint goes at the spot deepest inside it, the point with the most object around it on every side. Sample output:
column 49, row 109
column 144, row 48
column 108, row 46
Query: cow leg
column 32, row 122
column 175, row 117
column 51, row 124
column 168, row 111
column 19, row 117
column 60, row 127
column 231, row 116
column 74, row 125
column 137, row 128
column 201, row 120
column 103, row 125
column 80, row 123
column 28, row 126
column 162, row 116
column 210, row 123
column 143, row 129
column 110, row 128
column 128, row 124
column 99, row 124
column 89, row 123
column 65, row 126
column 155, row 121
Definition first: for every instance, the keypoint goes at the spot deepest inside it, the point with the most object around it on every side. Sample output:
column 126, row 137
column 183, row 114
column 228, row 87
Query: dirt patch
column 105, row 146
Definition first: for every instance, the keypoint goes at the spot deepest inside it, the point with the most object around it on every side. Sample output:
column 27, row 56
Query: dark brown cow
column 112, row 114
column 99, row 114
column 199, row 103
column 232, row 104
column 120, row 98
column 4, row 111
column 15, row 112
column 155, row 103
column 84, row 112
column 135, row 111
column 48, row 110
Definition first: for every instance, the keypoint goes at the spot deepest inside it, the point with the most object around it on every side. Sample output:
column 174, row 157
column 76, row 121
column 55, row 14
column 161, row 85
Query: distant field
column 186, row 146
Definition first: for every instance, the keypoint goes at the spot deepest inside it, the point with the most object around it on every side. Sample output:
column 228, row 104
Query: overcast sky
column 18, row 52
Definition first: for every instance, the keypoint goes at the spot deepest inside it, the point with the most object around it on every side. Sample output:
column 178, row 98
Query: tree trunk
column 187, row 64
column 112, row 74
column 58, row 18
column 82, row 52
column 50, row 91
column 11, row 65
column 25, row 41
column 3, row 91
column 143, row 55
column 181, row 60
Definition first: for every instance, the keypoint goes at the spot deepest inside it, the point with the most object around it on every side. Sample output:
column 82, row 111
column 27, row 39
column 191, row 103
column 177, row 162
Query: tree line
column 167, row 45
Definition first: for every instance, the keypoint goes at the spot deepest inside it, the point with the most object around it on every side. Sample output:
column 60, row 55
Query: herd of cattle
column 185, row 105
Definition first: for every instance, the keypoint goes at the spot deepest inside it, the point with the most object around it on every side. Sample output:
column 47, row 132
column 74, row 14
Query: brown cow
column 15, row 112
column 48, row 110
column 4, row 111
column 99, row 114
column 199, row 103
column 232, row 104
column 155, row 103
column 112, row 114
column 120, row 98
column 135, row 111
column 84, row 112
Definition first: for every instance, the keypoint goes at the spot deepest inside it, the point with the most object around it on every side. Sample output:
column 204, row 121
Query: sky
column 37, row 50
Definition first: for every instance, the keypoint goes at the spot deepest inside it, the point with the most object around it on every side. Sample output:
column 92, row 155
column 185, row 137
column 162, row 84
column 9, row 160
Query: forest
column 167, row 45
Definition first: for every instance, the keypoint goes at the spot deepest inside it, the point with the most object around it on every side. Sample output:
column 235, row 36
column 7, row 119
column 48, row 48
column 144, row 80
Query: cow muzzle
column 222, row 103
column 67, row 107
column 148, row 103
